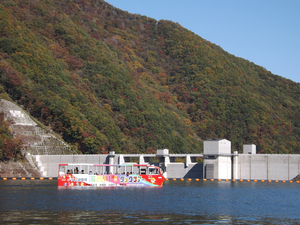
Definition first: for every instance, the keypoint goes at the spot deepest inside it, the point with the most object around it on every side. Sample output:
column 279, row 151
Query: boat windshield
column 153, row 171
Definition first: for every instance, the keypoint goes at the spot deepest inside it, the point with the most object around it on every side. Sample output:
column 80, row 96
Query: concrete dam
column 218, row 163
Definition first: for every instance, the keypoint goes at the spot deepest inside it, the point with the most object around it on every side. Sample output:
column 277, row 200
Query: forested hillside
column 105, row 79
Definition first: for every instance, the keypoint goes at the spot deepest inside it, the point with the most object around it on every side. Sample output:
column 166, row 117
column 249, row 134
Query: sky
column 265, row 32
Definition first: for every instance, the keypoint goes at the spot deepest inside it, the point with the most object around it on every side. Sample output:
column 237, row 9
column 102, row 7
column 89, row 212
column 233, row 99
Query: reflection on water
column 93, row 217
column 191, row 202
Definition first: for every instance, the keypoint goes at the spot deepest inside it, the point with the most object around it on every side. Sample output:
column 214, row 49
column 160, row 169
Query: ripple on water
column 189, row 202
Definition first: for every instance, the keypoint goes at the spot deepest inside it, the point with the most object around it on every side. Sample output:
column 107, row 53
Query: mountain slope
column 106, row 79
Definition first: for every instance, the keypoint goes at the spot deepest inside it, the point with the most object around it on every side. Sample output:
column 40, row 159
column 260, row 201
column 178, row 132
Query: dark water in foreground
column 178, row 202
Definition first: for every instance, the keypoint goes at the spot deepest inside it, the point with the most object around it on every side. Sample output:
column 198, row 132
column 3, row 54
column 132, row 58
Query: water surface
column 189, row 202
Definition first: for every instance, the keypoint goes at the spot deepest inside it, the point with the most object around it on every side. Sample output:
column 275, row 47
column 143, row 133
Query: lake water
column 178, row 202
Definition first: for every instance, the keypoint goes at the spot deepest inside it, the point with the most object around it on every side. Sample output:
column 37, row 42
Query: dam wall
column 242, row 166
column 216, row 162
column 267, row 167
column 236, row 166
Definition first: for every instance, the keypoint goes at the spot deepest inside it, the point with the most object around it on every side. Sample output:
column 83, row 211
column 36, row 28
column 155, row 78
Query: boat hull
column 109, row 180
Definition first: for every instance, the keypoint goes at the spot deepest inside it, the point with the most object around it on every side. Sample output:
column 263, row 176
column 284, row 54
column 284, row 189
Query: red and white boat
column 72, row 175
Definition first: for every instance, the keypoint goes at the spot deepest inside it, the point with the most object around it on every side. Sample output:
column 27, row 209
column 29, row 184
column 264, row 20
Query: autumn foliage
column 106, row 79
column 9, row 145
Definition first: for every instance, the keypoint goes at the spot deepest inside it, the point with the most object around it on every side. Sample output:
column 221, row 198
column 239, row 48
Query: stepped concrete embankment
column 35, row 139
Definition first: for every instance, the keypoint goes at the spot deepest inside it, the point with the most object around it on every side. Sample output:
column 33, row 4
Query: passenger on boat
column 127, row 174
column 90, row 173
column 82, row 171
column 105, row 172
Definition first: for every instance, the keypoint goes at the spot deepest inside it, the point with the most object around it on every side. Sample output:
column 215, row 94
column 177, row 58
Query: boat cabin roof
column 99, row 165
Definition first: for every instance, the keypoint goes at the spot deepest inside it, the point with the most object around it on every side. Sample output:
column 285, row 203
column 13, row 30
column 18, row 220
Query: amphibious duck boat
column 106, row 175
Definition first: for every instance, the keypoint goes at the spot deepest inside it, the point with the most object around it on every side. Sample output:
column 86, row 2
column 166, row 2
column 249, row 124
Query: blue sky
column 266, row 32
